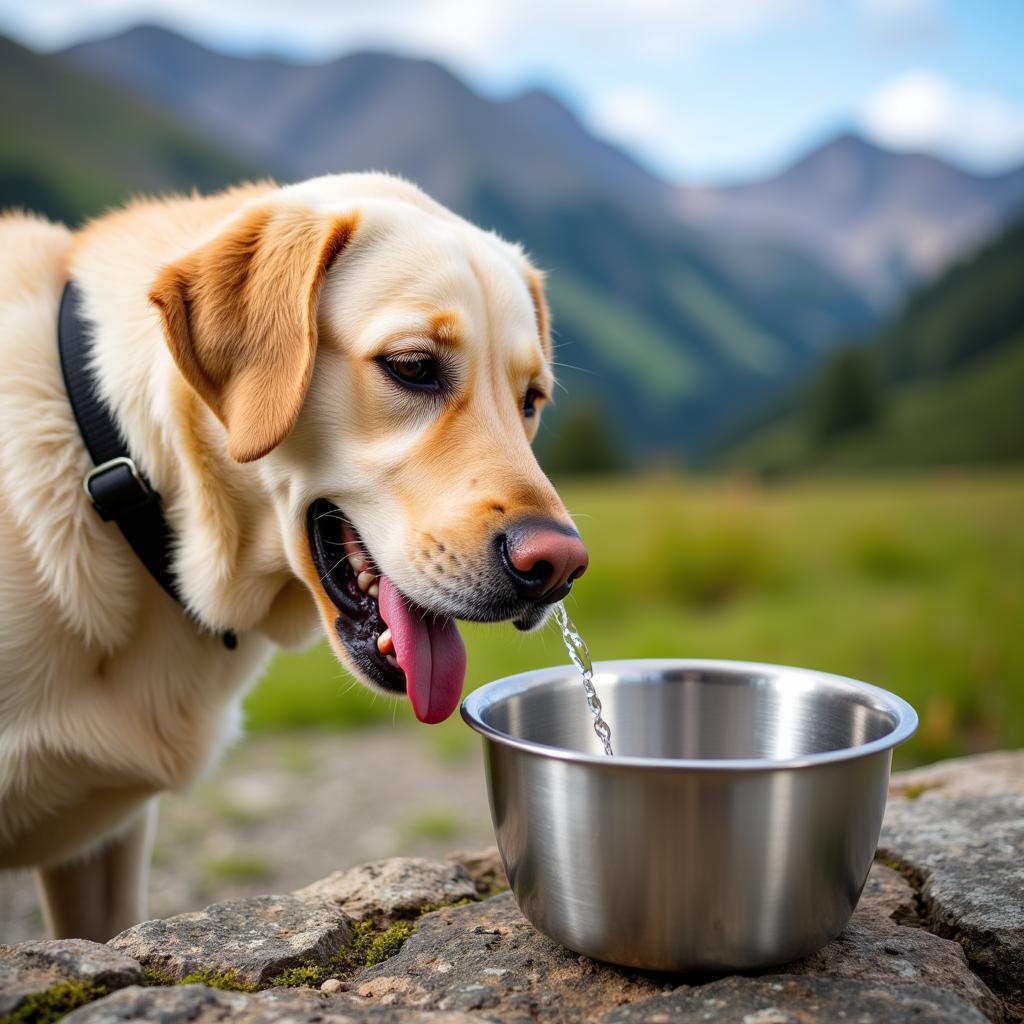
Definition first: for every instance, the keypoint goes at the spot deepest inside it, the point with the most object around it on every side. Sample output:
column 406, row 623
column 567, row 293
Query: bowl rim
column 475, row 704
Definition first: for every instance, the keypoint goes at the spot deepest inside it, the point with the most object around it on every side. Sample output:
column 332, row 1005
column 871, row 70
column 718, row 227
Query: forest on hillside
column 940, row 384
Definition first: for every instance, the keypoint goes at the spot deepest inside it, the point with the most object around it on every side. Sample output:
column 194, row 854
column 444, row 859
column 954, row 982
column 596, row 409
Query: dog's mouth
column 395, row 643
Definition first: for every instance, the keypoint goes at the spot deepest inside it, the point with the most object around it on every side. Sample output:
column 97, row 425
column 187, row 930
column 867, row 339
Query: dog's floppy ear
column 240, row 318
column 535, row 282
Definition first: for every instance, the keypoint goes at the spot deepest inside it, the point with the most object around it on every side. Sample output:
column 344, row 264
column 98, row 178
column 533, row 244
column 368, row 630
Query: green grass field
column 915, row 583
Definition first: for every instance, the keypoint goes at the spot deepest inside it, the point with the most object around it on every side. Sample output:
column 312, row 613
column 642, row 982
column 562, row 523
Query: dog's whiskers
column 571, row 366
column 344, row 558
column 334, row 513
column 348, row 689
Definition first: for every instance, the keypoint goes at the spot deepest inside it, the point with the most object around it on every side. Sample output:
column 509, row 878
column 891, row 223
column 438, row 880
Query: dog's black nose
column 542, row 557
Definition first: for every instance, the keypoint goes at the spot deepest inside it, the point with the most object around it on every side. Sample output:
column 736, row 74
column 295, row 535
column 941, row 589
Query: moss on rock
column 371, row 944
column 227, row 981
column 371, row 947
column 310, row 975
column 429, row 908
column 54, row 1003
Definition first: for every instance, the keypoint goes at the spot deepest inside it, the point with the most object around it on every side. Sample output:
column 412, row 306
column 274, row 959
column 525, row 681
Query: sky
column 698, row 90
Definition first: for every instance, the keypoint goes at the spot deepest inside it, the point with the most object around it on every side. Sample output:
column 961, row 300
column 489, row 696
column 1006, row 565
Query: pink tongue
column 430, row 652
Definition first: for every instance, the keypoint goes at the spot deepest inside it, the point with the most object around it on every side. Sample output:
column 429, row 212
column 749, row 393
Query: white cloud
column 449, row 29
column 633, row 115
column 662, row 31
column 920, row 110
column 473, row 34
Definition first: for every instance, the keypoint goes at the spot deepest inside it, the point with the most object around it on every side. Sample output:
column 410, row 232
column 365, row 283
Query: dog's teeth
column 374, row 591
column 356, row 562
column 365, row 580
column 384, row 642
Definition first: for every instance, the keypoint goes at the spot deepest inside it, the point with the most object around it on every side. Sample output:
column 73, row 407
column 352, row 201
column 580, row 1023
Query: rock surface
column 395, row 889
column 251, row 940
column 31, row 968
column 965, row 856
column 784, row 999
column 485, row 868
column 487, row 957
column 875, row 948
column 197, row 1004
column 937, row 940
column 1000, row 773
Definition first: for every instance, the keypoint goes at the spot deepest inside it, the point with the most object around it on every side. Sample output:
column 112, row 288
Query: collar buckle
column 116, row 488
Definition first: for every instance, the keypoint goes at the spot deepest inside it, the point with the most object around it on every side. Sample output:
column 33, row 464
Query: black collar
column 117, row 489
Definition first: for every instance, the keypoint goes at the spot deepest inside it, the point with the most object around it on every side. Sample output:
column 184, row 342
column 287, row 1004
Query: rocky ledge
column 938, row 936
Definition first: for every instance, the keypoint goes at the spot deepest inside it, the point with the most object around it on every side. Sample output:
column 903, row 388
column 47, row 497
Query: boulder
column 395, row 889
column 1000, row 773
column 485, row 868
column 31, row 969
column 242, row 941
column 965, row 858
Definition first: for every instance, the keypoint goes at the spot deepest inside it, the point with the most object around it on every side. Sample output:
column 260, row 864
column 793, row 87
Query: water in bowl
column 580, row 657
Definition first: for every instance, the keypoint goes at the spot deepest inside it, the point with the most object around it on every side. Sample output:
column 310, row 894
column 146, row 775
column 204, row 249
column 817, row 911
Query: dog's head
column 387, row 364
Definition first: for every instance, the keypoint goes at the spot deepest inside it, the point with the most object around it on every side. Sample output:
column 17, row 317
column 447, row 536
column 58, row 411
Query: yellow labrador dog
column 333, row 386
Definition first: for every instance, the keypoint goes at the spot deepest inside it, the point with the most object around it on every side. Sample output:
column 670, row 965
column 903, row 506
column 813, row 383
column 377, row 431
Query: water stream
column 580, row 656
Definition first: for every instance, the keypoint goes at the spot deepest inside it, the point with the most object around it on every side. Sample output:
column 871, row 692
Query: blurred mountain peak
column 886, row 220
column 851, row 145
column 148, row 35
column 542, row 101
column 410, row 115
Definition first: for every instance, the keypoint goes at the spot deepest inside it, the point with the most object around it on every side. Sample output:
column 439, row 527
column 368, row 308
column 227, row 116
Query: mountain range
column 886, row 222
column 372, row 111
column 676, row 309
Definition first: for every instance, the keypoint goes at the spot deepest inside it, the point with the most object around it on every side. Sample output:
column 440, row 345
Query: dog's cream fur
column 235, row 339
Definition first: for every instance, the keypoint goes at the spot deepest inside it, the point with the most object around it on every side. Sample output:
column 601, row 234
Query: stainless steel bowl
column 733, row 829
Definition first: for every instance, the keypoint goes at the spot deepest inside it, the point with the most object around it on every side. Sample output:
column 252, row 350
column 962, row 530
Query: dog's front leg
column 101, row 894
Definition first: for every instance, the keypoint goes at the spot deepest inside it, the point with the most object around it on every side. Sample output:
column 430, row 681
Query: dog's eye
column 417, row 372
column 530, row 403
